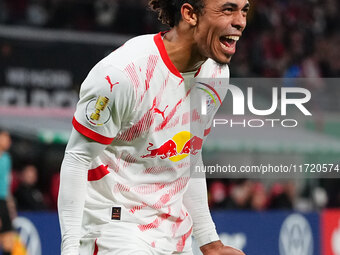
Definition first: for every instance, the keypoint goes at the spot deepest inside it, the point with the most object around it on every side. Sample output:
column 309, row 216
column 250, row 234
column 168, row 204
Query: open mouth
column 229, row 42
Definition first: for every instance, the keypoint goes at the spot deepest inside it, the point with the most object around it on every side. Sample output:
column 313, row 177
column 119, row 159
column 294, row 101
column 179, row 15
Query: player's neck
column 181, row 51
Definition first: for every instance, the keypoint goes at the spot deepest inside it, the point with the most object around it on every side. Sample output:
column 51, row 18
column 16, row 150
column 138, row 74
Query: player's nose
column 239, row 20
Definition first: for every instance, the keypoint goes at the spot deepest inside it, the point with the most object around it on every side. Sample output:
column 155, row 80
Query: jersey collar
column 165, row 57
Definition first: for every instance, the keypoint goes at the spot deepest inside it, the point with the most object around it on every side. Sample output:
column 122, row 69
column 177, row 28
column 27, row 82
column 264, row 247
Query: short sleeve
column 106, row 101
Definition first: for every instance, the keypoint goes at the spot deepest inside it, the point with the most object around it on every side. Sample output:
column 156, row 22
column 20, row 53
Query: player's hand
column 218, row 248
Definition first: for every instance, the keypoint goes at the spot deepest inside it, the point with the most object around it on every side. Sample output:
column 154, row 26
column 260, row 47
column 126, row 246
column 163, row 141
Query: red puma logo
column 109, row 81
column 156, row 110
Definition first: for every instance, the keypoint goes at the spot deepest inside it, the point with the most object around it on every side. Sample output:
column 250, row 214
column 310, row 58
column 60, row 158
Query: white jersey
column 137, row 103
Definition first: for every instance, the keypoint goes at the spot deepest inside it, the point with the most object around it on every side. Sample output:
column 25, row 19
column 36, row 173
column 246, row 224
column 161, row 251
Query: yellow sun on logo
column 181, row 140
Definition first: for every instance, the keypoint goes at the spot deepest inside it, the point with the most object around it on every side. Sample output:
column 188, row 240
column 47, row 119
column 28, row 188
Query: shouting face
column 219, row 27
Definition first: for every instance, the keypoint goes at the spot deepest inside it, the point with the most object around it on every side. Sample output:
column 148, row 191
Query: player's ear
column 188, row 14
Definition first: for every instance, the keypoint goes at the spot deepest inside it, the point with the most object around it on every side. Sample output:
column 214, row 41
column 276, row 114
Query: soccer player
column 6, row 229
column 125, row 186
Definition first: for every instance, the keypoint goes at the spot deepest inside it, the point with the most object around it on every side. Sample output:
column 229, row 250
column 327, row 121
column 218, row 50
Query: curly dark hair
column 169, row 11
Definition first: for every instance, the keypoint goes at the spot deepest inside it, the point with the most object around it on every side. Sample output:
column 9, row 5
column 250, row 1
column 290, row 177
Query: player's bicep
column 105, row 100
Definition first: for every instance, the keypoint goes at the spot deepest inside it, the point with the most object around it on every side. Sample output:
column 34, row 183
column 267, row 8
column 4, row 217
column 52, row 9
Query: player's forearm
column 196, row 201
column 71, row 202
column 79, row 153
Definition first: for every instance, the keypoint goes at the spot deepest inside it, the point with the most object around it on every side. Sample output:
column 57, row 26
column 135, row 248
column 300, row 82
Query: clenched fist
column 218, row 248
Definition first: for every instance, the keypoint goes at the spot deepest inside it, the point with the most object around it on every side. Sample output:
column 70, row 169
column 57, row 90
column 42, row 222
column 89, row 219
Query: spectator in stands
column 36, row 13
column 332, row 188
column 259, row 199
column 217, row 195
column 6, row 229
column 105, row 13
column 281, row 196
column 28, row 197
column 240, row 195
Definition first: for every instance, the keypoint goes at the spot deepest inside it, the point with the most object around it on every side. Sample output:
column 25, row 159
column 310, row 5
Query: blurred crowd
column 19, row 186
column 288, row 38
column 119, row 16
column 246, row 194
column 256, row 195
column 284, row 37
column 28, row 196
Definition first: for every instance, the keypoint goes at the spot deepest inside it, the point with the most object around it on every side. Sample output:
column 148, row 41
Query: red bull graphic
column 193, row 146
column 168, row 149
column 179, row 147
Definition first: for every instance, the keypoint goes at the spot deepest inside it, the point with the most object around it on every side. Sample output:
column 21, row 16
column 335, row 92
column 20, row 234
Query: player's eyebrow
column 246, row 6
column 235, row 5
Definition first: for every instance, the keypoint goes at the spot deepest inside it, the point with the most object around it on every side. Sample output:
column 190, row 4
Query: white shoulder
column 211, row 69
column 103, row 79
column 132, row 52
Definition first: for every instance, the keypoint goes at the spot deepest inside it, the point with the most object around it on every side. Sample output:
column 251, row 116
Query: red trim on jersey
column 207, row 131
column 160, row 45
column 198, row 71
column 91, row 134
column 97, row 173
column 95, row 252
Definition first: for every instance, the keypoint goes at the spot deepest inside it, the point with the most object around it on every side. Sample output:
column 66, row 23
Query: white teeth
column 232, row 37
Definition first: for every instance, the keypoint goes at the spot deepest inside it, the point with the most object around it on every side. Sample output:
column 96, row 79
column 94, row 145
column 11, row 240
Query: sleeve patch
column 97, row 112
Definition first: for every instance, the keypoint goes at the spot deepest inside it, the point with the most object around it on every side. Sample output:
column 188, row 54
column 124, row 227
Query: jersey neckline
column 165, row 57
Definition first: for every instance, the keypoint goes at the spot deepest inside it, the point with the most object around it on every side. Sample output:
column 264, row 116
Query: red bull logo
column 179, row 147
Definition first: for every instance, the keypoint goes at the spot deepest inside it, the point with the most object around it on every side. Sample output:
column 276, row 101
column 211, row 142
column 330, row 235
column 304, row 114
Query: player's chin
column 223, row 59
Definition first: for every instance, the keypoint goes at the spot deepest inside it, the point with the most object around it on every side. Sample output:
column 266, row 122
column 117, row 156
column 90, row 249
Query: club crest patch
column 211, row 105
column 97, row 111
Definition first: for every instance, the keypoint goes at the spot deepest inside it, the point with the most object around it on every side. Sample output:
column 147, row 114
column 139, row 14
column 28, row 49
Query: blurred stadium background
column 47, row 48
